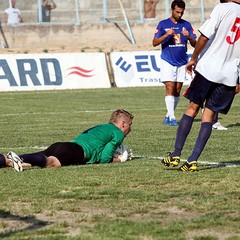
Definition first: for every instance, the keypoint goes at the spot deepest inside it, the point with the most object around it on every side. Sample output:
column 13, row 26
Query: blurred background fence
column 96, row 11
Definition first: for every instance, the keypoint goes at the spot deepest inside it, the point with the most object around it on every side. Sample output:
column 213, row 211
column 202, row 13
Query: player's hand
column 170, row 32
column 185, row 33
column 190, row 67
column 237, row 89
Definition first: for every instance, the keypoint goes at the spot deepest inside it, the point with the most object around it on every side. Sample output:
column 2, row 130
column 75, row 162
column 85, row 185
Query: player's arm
column 107, row 155
column 201, row 43
column 237, row 87
column 158, row 40
column 112, row 154
column 53, row 5
column 5, row 18
column 20, row 19
column 192, row 41
column 116, row 160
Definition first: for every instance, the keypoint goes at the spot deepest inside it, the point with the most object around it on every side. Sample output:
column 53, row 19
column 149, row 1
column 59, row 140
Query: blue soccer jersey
column 174, row 47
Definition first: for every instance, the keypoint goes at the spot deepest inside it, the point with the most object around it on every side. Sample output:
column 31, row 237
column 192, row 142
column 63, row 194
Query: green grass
column 140, row 199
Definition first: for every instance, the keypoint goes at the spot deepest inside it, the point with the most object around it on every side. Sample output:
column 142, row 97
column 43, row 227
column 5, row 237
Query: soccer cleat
column 189, row 166
column 16, row 161
column 173, row 122
column 218, row 126
column 171, row 161
column 166, row 120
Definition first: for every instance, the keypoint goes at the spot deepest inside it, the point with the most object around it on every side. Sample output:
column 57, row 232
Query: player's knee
column 52, row 162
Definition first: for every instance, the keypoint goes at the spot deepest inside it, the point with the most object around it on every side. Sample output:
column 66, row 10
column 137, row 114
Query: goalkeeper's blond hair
column 120, row 114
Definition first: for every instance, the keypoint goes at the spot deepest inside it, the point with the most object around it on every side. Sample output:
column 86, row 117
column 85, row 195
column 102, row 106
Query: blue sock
column 35, row 159
column 184, row 128
column 2, row 161
column 203, row 136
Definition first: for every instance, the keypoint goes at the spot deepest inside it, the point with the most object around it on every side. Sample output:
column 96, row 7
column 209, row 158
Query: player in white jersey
column 217, row 73
column 12, row 14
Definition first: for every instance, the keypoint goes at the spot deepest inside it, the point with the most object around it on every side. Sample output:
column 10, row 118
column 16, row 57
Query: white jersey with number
column 220, row 62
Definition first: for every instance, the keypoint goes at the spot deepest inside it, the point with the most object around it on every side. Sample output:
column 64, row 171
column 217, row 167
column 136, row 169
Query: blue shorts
column 217, row 97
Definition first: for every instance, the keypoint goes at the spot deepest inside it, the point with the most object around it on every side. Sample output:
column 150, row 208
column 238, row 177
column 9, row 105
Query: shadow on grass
column 233, row 125
column 31, row 222
column 205, row 166
column 229, row 164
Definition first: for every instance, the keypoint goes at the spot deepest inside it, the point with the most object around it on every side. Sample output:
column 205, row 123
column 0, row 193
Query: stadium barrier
column 138, row 69
column 56, row 71
column 22, row 72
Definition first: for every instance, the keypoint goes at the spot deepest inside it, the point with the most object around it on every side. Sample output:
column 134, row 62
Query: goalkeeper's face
column 126, row 126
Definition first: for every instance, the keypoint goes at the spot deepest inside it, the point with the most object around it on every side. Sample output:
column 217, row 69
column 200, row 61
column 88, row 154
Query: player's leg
column 179, row 78
column 216, row 123
column 35, row 159
column 52, row 162
column 64, row 154
column 56, row 155
column 204, row 134
column 13, row 160
column 219, row 100
column 170, row 99
column 176, row 94
column 168, row 77
column 173, row 89
column 196, row 94
column 4, row 161
column 184, row 128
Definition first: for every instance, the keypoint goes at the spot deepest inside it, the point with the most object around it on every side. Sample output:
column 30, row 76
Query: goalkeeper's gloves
column 127, row 155
column 124, row 156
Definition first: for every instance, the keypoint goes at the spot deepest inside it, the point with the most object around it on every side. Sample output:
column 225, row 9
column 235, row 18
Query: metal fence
column 97, row 11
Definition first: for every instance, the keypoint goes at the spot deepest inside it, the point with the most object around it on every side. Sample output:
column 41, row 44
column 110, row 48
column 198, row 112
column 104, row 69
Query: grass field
column 140, row 199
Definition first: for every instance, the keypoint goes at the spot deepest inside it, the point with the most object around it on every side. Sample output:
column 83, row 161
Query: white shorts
column 170, row 73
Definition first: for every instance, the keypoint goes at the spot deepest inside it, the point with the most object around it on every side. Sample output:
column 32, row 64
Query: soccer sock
column 176, row 101
column 184, row 128
column 2, row 161
column 215, row 118
column 169, row 100
column 35, row 159
column 203, row 136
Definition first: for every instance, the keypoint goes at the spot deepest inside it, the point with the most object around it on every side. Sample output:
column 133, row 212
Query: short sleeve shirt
column 220, row 62
column 13, row 15
column 174, row 48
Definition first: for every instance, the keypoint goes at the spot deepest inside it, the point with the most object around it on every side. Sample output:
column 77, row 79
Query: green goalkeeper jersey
column 100, row 142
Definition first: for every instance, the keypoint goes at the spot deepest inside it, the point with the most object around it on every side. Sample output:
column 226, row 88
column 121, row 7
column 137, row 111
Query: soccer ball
column 123, row 151
column 120, row 150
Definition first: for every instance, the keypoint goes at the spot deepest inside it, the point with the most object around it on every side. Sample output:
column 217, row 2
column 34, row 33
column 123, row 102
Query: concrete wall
column 91, row 11
column 93, row 34
column 88, row 37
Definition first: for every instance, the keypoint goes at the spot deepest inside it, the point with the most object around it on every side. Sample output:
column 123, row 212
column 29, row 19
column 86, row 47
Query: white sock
column 169, row 100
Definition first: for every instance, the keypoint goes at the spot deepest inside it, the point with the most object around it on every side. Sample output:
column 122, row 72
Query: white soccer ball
column 123, row 153
column 120, row 150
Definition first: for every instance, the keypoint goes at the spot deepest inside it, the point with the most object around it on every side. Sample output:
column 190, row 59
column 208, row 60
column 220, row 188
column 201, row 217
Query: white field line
column 23, row 148
column 220, row 164
column 67, row 112
column 52, row 113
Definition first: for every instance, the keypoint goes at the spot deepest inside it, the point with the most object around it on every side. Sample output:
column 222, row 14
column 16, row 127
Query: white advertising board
column 137, row 69
column 22, row 72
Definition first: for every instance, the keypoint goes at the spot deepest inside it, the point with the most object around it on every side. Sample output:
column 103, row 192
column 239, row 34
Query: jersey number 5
column 235, row 29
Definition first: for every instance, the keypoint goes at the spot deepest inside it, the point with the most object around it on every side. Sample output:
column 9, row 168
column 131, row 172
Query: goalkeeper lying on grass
column 95, row 145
